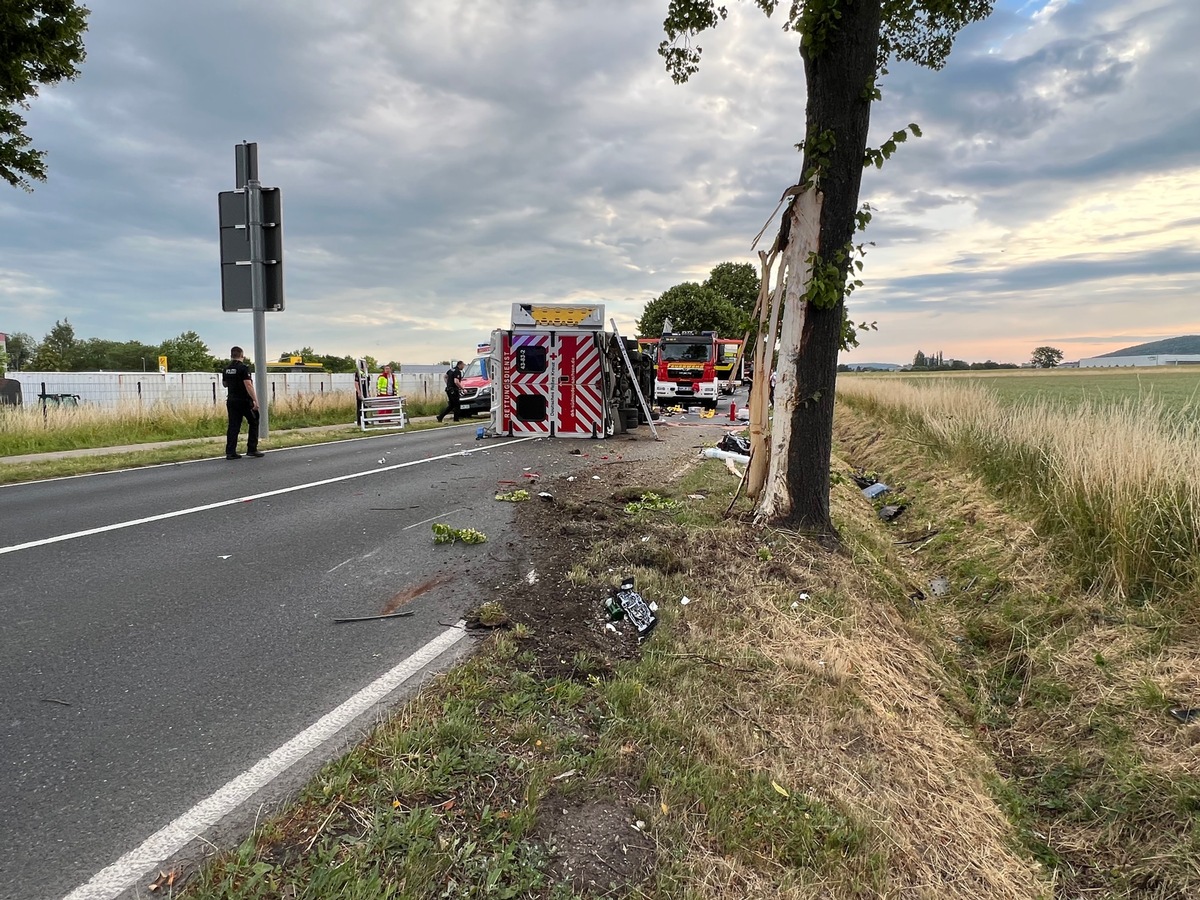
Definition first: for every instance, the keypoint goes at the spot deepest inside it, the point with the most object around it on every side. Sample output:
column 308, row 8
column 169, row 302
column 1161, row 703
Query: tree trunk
column 838, row 75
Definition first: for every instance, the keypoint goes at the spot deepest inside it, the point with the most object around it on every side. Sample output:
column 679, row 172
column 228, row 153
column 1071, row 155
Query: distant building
column 1161, row 359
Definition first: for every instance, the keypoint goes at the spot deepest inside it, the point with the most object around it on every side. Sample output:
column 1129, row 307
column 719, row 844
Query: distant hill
column 1188, row 344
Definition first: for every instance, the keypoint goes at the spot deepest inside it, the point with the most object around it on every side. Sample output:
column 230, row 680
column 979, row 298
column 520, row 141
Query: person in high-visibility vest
column 385, row 386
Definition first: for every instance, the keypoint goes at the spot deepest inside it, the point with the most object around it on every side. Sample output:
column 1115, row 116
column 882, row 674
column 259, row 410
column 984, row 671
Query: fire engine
column 686, row 368
column 557, row 372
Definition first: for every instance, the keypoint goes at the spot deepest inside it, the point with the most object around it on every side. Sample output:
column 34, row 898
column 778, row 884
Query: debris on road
column 514, row 496
column 446, row 534
column 395, row 615
column 892, row 512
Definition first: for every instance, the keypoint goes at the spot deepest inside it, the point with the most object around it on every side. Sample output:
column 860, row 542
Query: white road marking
column 178, row 462
column 116, row 526
column 431, row 518
column 169, row 840
column 339, row 565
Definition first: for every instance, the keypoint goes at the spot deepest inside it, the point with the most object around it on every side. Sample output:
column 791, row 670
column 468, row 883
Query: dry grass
column 1069, row 688
column 1114, row 484
column 26, row 429
column 837, row 700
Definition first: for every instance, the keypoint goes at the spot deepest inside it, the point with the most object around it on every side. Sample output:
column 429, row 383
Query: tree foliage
column 691, row 307
column 21, row 348
column 187, row 353
column 723, row 303
column 330, row 362
column 58, row 350
column 737, row 283
column 1046, row 357
column 61, row 351
column 41, row 43
column 845, row 47
column 98, row 354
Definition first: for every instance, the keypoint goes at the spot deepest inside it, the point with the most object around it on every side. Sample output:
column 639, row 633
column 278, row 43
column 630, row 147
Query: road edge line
column 110, row 882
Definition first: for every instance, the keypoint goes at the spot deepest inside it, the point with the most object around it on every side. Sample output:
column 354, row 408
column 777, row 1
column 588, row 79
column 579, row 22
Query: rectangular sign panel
column 236, row 293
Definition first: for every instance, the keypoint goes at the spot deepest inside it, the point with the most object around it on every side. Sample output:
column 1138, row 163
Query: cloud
column 441, row 161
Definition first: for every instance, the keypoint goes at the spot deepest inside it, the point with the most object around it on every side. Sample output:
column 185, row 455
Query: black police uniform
column 453, row 374
column 240, row 406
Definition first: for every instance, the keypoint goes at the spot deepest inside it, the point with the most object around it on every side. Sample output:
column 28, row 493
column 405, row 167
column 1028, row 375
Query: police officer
column 453, row 388
column 241, row 403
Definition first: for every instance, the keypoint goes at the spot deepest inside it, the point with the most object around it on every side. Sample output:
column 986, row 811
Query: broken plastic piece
column 714, row 453
column 1185, row 715
column 939, row 587
column 627, row 603
column 889, row 513
column 875, row 490
column 862, row 479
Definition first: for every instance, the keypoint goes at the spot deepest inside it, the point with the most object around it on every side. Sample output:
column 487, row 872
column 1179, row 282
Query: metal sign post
column 258, row 287
column 252, row 259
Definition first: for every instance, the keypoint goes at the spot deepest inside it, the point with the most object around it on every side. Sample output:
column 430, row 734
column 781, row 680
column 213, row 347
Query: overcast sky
column 440, row 161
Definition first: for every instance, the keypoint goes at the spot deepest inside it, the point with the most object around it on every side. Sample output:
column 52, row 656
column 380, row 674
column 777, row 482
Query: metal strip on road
column 116, row 526
column 112, row 881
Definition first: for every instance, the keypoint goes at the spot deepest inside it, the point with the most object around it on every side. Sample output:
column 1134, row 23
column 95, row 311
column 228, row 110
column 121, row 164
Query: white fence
column 148, row 388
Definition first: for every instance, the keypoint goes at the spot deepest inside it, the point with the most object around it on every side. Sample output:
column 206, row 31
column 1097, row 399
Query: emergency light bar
column 549, row 315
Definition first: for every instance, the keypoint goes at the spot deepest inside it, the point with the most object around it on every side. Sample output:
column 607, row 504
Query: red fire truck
column 686, row 368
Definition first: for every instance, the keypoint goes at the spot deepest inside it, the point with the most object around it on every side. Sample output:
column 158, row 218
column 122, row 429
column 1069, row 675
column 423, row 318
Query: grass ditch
column 1068, row 682
column 794, row 730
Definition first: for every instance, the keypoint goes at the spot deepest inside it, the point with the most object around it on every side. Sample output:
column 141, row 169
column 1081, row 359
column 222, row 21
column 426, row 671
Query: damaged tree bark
column 776, row 502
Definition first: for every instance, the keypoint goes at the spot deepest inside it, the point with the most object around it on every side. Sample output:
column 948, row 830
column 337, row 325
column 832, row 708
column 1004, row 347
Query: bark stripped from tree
column 794, row 276
column 756, row 472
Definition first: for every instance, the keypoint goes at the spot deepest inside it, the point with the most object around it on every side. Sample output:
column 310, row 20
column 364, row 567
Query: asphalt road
column 164, row 629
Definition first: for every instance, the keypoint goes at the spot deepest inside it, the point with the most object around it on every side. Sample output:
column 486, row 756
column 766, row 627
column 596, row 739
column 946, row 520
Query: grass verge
column 26, row 430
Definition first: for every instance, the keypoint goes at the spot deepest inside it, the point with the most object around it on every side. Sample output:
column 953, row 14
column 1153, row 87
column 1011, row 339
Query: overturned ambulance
column 557, row 372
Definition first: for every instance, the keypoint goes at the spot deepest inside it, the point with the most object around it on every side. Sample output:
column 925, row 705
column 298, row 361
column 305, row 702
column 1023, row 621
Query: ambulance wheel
column 632, row 417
